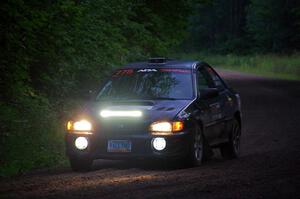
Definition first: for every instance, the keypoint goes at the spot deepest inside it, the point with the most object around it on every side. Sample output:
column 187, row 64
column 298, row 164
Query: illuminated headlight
column 109, row 113
column 159, row 143
column 81, row 143
column 82, row 125
column 163, row 128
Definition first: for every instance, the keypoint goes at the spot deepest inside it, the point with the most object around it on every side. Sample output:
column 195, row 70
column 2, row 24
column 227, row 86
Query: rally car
column 162, row 109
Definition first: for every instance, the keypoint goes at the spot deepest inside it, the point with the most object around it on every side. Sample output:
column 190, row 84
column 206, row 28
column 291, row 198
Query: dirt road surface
column 269, row 166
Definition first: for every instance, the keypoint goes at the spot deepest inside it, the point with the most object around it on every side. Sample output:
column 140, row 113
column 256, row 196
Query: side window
column 203, row 80
column 216, row 79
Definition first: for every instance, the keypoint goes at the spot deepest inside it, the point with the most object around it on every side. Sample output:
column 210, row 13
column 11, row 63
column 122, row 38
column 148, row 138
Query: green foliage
column 274, row 25
column 218, row 25
column 30, row 136
column 245, row 26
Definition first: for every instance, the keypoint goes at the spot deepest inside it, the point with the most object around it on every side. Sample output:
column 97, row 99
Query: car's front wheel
column 231, row 149
column 196, row 152
column 81, row 164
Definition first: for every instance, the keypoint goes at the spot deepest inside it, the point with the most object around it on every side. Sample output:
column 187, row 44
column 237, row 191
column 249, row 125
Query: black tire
column 197, row 148
column 81, row 165
column 231, row 149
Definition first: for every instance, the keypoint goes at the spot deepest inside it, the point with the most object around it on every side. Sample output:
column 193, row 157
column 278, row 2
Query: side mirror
column 208, row 93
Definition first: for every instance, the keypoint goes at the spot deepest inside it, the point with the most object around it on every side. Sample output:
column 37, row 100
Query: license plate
column 119, row 146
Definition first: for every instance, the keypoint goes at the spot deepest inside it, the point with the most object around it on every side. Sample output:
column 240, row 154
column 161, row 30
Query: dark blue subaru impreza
column 161, row 108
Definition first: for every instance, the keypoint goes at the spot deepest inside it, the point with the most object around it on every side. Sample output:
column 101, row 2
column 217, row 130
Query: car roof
column 186, row 64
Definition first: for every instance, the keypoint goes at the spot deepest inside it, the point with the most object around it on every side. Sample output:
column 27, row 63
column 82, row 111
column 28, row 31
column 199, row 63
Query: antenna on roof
column 156, row 60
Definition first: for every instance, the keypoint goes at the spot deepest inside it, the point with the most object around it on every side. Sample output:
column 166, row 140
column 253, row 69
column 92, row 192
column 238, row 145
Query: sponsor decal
column 125, row 72
column 146, row 70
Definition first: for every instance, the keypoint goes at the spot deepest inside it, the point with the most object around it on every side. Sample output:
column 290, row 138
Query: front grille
column 124, row 127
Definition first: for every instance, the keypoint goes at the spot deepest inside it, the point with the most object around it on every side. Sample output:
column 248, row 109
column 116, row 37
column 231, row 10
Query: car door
column 210, row 108
column 225, row 102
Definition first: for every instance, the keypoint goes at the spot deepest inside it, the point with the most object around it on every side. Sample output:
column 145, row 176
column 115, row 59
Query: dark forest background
column 54, row 51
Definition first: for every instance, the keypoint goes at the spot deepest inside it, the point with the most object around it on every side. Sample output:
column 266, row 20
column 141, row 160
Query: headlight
column 161, row 127
column 164, row 128
column 82, row 125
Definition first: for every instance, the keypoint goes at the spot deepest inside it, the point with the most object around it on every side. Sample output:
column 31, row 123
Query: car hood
column 152, row 111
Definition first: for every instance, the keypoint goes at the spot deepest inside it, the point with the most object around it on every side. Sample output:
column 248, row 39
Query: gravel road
column 269, row 166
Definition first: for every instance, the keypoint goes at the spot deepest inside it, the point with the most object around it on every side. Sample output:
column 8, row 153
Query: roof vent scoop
column 158, row 60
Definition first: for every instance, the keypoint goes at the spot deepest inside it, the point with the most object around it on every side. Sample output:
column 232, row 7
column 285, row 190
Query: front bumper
column 177, row 146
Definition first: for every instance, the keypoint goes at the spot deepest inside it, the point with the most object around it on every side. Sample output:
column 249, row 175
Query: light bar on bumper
column 110, row 113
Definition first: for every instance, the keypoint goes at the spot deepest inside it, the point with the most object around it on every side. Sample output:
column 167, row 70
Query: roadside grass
column 269, row 65
column 32, row 135
column 31, row 138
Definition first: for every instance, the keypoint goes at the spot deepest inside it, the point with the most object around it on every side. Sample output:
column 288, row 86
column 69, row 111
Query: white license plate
column 119, row 146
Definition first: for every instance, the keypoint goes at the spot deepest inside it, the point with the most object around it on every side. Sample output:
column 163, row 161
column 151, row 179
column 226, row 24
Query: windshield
column 150, row 84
